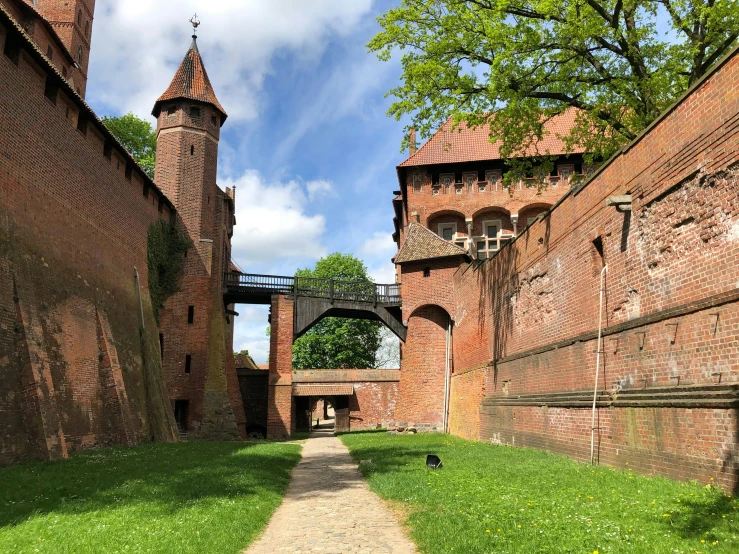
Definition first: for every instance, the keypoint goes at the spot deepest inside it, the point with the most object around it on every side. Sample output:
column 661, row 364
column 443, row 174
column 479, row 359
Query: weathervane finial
column 195, row 22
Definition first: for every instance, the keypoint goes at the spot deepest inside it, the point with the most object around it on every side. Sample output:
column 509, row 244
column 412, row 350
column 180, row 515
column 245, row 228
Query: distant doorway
column 180, row 415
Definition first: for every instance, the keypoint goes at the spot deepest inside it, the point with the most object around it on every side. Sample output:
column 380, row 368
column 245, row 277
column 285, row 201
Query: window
column 214, row 120
column 12, row 49
column 51, row 89
column 446, row 181
column 160, row 207
column 427, row 272
column 194, row 112
column 458, row 188
column 493, row 178
column 190, row 314
column 469, row 181
column 129, row 171
column 146, row 190
column 565, row 172
column 79, row 55
column 50, row 53
column 82, row 124
column 417, row 181
column 447, row 231
column 491, row 240
column 161, row 345
column 64, row 71
column 192, row 149
column 188, row 363
column 172, row 110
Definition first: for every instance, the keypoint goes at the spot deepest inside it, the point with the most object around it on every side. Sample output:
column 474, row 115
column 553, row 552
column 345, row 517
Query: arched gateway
column 296, row 305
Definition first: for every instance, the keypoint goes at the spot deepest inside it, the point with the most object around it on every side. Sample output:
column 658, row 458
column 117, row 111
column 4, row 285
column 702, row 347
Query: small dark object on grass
column 433, row 462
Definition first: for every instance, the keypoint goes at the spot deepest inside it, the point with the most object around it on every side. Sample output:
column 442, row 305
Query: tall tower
column 72, row 21
column 196, row 331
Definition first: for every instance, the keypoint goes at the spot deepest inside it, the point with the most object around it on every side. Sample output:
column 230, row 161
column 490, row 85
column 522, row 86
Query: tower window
column 172, row 110
column 427, row 272
column 129, row 171
column 161, row 345
column 79, row 55
column 12, row 48
column 51, row 89
column 194, row 112
column 146, row 190
column 188, row 363
column 214, row 120
column 192, row 149
column 50, row 53
column 190, row 314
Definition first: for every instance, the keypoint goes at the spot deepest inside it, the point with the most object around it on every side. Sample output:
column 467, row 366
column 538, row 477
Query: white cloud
column 379, row 244
column 145, row 40
column 272, row 224
column 319, row 188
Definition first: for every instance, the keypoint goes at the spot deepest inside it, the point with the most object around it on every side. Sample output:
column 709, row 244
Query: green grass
column 191, row 497
column 499, row 499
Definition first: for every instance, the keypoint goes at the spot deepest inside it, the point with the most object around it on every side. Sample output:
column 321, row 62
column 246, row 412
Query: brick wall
column 528, row 318
column 73, row 225
column 280, row 420
column 466, row 391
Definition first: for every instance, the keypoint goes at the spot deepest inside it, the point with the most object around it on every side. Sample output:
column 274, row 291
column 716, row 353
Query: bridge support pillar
column 280, row 395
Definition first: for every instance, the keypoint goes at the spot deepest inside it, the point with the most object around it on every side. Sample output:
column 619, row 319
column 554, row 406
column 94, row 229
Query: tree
column 138, row 137
column 514, row 64
column 338, row 342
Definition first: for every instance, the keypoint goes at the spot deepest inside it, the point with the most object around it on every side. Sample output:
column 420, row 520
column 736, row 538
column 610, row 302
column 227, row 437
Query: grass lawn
column 499, row 499
column 189, row 497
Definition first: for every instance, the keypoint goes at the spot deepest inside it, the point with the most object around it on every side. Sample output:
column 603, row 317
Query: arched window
column 79, row 55
column 79, row 17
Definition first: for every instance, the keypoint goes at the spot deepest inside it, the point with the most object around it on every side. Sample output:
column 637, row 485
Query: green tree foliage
column 338, row 342
column 138, row 137
column 514, row 64
column 166, row 261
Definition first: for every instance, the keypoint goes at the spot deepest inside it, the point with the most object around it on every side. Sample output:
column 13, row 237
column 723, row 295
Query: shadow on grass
column 169, row 476
column 697, row 520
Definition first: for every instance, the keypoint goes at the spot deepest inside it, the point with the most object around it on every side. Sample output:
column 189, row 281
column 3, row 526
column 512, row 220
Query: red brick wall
column 280, row 420
column 421, row 388
column 373, row 405
column 531, row 313
column 72, row 228
column 466, row 391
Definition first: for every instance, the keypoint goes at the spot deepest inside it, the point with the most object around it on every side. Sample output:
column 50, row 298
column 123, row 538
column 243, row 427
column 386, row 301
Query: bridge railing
column 313, row 287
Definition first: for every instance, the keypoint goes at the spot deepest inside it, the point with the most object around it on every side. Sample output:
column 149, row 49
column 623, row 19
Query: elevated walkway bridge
column 316, row 298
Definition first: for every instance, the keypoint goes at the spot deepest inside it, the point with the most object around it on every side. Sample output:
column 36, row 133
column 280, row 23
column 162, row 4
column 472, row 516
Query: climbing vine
column 167, row 245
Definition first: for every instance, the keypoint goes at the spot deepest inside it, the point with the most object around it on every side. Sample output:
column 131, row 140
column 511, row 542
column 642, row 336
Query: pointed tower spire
column 191, row 81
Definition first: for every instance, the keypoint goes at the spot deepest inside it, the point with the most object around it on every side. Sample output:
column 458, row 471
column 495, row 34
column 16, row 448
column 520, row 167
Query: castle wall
column 670, row 365
column 75, row 370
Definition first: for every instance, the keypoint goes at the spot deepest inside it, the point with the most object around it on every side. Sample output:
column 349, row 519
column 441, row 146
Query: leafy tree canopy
column 338, row 342
column 137, row 136
column 513, row 64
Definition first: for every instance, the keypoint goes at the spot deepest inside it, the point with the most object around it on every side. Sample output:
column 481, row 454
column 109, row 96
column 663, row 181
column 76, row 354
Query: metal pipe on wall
column 447, row 374
column 597, row 363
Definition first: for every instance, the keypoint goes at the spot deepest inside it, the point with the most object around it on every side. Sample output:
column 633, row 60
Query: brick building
column 81, row 358
column 505, row 348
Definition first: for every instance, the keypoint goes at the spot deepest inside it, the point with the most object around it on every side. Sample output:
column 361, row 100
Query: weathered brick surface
column 530, row 315
column 280, row 420
column 72, row 229
column 466, row 391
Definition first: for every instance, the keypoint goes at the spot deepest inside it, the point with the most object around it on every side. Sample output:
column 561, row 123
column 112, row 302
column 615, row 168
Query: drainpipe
column 447, row 374
column 597, row 363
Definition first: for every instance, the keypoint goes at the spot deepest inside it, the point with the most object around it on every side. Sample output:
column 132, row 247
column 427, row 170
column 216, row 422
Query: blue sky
column 307, row 142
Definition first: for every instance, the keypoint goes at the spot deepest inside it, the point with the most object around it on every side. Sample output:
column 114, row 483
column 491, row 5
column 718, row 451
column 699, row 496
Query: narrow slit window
column 188, row 363
column 190, row 314
column 192, row 149
column 161, row 345
column 12, row 48
column 129, row 171
column 51, row 89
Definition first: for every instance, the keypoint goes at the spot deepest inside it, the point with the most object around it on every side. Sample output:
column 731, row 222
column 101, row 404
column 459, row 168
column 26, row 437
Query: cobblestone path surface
column 330, row 509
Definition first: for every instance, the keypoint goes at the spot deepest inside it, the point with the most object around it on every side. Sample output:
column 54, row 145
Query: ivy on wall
column 167, row 245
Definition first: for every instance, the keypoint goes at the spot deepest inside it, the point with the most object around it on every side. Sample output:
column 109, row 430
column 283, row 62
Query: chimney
column 413, row 147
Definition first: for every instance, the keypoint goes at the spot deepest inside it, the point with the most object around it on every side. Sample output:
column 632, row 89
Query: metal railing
column 330, row 289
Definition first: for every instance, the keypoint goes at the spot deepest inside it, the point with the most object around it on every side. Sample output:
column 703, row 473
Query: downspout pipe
column 447, row 375
column 597, row 362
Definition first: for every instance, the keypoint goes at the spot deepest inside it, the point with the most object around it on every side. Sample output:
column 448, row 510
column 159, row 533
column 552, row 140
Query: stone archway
column 425, row 368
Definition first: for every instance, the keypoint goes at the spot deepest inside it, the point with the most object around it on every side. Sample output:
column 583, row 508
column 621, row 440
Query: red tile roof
column 465, row 144
column 191, row 82
column 245, row 361
column 423, row 244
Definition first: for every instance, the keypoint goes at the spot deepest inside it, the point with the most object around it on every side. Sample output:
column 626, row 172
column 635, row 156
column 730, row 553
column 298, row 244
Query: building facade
column 608, row 324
